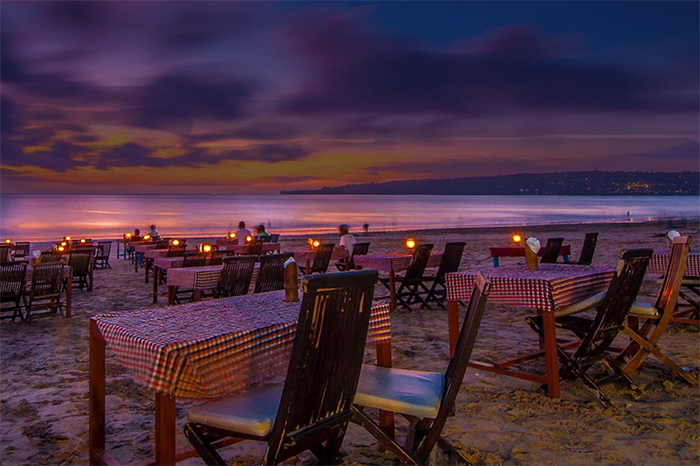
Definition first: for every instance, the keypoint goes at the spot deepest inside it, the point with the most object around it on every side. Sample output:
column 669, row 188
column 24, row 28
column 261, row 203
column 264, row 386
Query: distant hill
column 588, row 183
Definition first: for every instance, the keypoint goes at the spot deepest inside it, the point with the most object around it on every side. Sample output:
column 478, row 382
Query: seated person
column 347, row 241
column 137, row 235
column 260, row 232
column 154, row 233
column 242, row 233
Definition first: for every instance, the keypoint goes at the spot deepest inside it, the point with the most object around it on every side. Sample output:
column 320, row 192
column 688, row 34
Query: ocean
column 50, row 217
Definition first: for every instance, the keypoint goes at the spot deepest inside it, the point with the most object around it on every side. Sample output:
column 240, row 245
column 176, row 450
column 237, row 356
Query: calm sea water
column 45, row 218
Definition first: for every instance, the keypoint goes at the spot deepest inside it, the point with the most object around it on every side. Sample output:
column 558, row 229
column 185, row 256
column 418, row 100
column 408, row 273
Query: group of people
column 346, row 241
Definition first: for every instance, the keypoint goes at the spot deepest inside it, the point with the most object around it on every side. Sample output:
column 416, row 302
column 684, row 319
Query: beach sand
column 44, row 377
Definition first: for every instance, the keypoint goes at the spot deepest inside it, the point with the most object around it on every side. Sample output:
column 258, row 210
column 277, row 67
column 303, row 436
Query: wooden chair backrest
column 359, row 249
column 271, row 273
column 552, row 250
column 12, row 278
column 105, row 249
column 274, row 238
column 263, row 239
column 21, row 248
column 5, row 252
column 254, row 249
column 175, row 251
column 162, row 244
column 588, row 250
column 326, row 360
column 80, row 263
column 451, row 259
column 322, row 258
column 193, row 259
column 613, row 310
column 47, row 280
column 416, row 269
column 457, row 367
column 667, row 296
column 48, row 257
column 235, row 277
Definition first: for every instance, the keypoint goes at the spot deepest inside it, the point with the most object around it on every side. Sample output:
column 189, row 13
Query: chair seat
column 581, row 305
column 402, row 391
column 251, row 413
column 643, row 309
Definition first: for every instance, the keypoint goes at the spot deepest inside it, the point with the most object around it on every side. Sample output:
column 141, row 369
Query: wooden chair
column 312, row 409
column 410, row 282
column 45, row 291
column 588, row 250
column 359, row 249
column 104, row 250
column 12, row 278
column 235, row 277
column 5, row 250
column 175, row 251
column 425, row 399
column 263, row 239
column 80, row 263
column 271, row 273
column 20, row 249
column 449, row 263
column 552, row 250
column 253, row 249
column 49, row 257
column 597, row 334
column 274, row 238
column 193, row 259
column 657, row 316
column 322, row 260
column 217, row 257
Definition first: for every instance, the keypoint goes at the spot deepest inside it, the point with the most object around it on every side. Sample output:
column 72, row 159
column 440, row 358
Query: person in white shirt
column 153, row 232
column 242, row 233
column 347, row 241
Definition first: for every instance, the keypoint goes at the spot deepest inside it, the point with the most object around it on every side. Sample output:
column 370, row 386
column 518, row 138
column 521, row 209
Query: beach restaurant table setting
column 519, row 251
column 201, row 351
column 552, row 287
column 242, row 248
column 391, row 263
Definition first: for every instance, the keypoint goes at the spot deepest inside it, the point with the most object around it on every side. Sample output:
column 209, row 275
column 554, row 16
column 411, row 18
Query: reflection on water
column 41, row 218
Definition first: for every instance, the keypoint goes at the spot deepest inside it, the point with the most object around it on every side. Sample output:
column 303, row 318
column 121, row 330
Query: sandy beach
column 499, row 420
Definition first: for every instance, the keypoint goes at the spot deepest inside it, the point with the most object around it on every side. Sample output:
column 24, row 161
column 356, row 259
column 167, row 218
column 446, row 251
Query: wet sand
column 44, row 377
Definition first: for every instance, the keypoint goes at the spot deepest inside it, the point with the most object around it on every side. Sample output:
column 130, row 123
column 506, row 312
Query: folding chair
column 271, row 273
column 275, row 238
column 412, row 279
column 45, row 291
column 597, row 334
column 322, row 259
column 12, row 278
column 80, row 264
column 451, row 259
column 590, row 242
column 235, row 277
column 312, row 410
column 193, row 259
column 657, row 316
column 359, row 249
column 552, row 250
column 20, row 249
column 5, row 250
column 425, row 399
column 103, row 252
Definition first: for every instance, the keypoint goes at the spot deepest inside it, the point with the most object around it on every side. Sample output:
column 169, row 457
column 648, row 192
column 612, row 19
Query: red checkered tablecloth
column 210, row 349
column 659, row 263
column 395, row 261
column 551, row 287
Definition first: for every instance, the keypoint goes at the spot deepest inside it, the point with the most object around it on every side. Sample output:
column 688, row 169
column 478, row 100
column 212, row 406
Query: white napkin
column 36, row 254
column 534, row 244
column 288, row 262
column 673, row 234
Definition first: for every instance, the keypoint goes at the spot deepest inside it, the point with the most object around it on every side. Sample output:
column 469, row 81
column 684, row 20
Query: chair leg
column 455, row 454
column 330, row 453
column 203, row 447
column 619, row 374
column 361, row 419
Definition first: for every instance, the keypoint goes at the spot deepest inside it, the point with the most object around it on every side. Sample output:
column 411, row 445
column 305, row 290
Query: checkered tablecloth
column 210, row 349
column 168, row 262
column 551, row 287
column 154, row 253
column 395, row 261
column 302, row 257
column 659, row 263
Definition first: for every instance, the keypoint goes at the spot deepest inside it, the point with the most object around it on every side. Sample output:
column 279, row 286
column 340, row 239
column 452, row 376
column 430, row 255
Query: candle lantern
column 231, row 235
column 127, row 236
column 8, row 241
column 63, row 243
column 82, row 240
column 410, row 243
column 248, row 239
column 146, row 237
column 175, row 242
column 317, row 243
column 66, row 238
column 517, row 238
column 61, row 248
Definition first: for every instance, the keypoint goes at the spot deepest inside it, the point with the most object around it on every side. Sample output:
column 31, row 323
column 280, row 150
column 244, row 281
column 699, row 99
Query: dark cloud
column 512, row 69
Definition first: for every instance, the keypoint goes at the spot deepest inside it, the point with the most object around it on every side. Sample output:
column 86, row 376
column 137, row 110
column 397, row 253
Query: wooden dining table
column 391, row 263
column 201, row 351
column 552, row 287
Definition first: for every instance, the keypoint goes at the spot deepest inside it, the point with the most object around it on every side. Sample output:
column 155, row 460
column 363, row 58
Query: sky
column 256, row 97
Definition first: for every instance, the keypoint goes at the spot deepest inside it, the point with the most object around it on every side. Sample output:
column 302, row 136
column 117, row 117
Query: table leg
column 566, row 258
column 136, row 262
column 69, row 297
column 197, row 295
column 96, row 429
column 495, row 262
column 165, row 429
column 145, row 266
column 453, row 324
column 156, row 279
column 392, row 290
column 171, row 295
column 550, row 354
column 386, row 418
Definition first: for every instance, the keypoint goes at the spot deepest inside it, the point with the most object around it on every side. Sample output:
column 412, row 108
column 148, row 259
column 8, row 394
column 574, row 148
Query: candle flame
column 176, row 242
column 146, row 236
column 63, row 243
column 61, row 248
column 8, row 241
column 82, row 240
column 410, row 243
column 248, row 239
column 316, row 243
column 231, row 235
column 206, row 248
column 517, row 238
